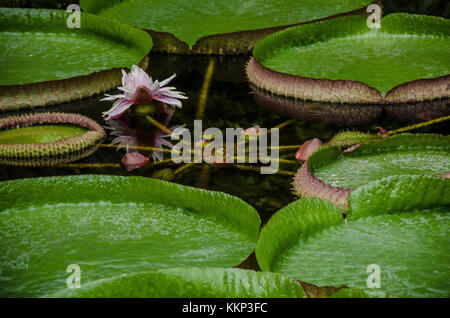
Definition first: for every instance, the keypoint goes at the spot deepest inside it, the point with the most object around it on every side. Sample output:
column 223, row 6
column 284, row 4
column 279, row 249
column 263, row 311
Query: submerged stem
column 419, row 125
column 158, row 125
column 183, row 168
column 258, row 169
column 147, row 148
column 282, row 125
column 205, row 88
column 89, row 165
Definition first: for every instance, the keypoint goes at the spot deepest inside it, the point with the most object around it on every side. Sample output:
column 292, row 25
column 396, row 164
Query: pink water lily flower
column 139, row 88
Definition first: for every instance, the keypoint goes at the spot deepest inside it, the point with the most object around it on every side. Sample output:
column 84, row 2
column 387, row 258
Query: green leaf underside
column 39, row 134
column 37, row 46
column 191, row 20
column 407, row 236
column 114, row 225
column 363, row 165
column 406, row 48
column 192, row 283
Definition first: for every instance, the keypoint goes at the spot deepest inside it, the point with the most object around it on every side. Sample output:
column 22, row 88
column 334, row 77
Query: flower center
column 143, row 95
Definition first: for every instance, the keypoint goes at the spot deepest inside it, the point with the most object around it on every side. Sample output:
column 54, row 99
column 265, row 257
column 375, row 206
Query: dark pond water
column 230, row 103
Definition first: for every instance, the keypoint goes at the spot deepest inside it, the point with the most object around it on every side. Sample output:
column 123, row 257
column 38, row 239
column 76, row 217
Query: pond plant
column 52, row 63
column 362, row 202
column 332, row 174
column 192, row 283
column 140, row 144
column 399, row 223
column 359, row 70
column 47, row 139
column 150, row 97
column 138, row 88
column 118, row 225
column 217, row 26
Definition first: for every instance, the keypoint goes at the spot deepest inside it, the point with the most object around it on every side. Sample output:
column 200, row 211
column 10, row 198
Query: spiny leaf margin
column 346, row 90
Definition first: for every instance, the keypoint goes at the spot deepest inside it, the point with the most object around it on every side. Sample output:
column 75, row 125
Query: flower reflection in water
column 141, row 144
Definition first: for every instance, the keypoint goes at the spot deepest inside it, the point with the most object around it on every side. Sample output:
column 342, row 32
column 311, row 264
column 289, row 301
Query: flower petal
column 134, row 160
column 118, row 109
column 112, row 97
column 140, row 76
column 155, row 87
column 169, row 100
column 164, row 142
column 173, row 94
column 167, row 80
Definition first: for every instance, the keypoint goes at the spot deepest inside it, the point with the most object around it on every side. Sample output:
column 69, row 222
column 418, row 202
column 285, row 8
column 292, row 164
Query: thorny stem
column 200, row 111
column 158, row 163
column 293, row 162
column 159, row 125
column 136, row 147
column 285, row 147
column 182, row 168
column 258, row 169
column 419, row 125
column 89, row 165
column 284, row 124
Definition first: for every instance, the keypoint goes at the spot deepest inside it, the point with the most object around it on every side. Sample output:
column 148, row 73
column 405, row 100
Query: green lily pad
column 331, row 174
column 110, row 225
column 399, row 155
column 36, row 46
column 39, row 134
column 47, row 139
column 401, row 224
column 344, row 61
column 202, row 24
column 191, row 283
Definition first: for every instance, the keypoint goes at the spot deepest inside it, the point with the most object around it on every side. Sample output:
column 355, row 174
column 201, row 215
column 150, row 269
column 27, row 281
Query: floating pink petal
column 383, row 132
column 444, row 175
column 134, row 160
column 351, row 149
column 253, row 131
column 307, row 149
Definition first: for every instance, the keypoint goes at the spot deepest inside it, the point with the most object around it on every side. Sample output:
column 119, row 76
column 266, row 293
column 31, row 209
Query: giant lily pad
column 332, row 175
column 344, row 61
column 110, row 225
column 47, row 139
column 192, row 283
column 45, row 62
column 216, row 26
column 401, row 224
